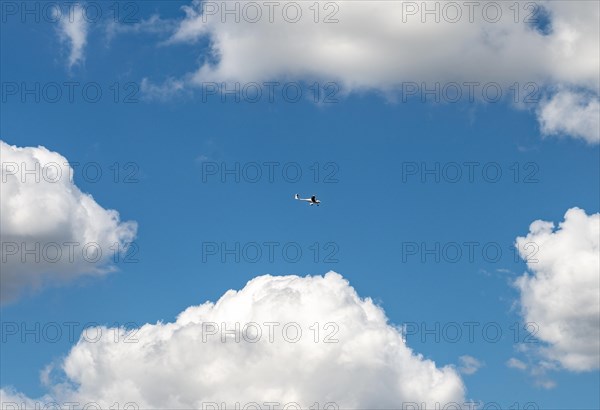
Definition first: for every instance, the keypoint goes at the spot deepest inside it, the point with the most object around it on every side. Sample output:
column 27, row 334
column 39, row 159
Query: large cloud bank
column 381, row 44
column 51, row 232
column 561, row 293
column 356, row 361
column 545, row 47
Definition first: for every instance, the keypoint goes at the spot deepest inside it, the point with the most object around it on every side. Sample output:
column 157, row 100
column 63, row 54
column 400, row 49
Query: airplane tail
column 297, row 196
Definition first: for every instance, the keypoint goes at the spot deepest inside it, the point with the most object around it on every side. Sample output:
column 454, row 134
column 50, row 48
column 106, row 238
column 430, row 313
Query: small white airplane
column 311, row 201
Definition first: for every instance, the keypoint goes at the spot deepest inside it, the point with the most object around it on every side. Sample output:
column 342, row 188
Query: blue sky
column 370, row 209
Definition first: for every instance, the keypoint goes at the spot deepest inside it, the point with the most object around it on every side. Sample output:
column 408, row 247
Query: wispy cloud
column 537, row 369
column 73, row 31
column 152, row 25
column 469, row 365
column 515, row 363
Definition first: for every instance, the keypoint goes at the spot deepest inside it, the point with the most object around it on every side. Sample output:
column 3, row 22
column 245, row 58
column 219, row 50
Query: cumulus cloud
column 560, row 294
column 356, row 360
column 73, row 30
column 571, row 113
column 384, row 46
column 51, row 232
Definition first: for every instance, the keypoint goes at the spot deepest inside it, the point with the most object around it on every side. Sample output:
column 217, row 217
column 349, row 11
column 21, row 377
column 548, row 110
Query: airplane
column 312, row 200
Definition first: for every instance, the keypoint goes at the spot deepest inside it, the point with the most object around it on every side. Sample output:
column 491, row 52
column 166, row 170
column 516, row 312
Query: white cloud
column 561, row 293
column 515, row 363
column 8, row 396
column 366, row 365
column 73, row 30
column 571, row 113
column 153, row 25
column 537, row 369
column 382, row 45
column 547, row 384
column 51, row 231
column 469, row 365
column 162, row 92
